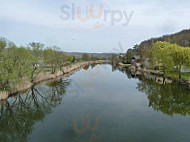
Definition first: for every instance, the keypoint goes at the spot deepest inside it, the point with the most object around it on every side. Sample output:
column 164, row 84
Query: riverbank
column 156, row 75
column 44, row 76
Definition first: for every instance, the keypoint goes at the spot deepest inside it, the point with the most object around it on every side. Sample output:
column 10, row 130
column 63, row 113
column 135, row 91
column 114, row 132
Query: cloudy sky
column 23, row 21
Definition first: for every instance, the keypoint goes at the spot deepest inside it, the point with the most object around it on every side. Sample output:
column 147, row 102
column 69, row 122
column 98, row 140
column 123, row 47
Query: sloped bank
column 25, row 84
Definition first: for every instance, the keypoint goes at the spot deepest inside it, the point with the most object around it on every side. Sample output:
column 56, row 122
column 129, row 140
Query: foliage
column 69, row 57
column 85, row 57
column 3, row 44
column 135, row 48
column 19, row 116
column 93, row 58
column 171, row 56
column 114, row 59
column 181, row 38
column 17, row 63
column 129, row 55
column 37, row 59
column 170, row 99
column 161, row 51
column 56, row 60
column 144, row 52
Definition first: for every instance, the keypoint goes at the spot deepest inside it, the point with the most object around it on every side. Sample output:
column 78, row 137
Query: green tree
column 114, row 59
column 16, row 64
column 37, row 58
column 51, row 59
column 144, row 52
column 93, row 58
column 171, row 56
column 181, row 57
column 85, row 57
column 135, row 48
column 69, row 57
column 129, row 55
column 56, row 60
column 3, row 44
column 161, row 51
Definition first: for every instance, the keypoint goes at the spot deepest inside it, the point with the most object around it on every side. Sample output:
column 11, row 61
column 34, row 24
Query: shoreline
column 45, row 76
column 157, row 76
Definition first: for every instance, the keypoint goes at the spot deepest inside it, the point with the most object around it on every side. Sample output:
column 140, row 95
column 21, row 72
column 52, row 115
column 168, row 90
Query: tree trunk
column 179, row 72
column 164, row 80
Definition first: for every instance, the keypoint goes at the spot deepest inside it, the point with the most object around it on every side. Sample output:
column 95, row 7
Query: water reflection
column 86, row 67
column 19, row 114
column 170, row 99
column 105, row 115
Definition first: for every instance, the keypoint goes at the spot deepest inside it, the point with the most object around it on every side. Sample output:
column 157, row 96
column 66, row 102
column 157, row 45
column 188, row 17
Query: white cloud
column 151, row 18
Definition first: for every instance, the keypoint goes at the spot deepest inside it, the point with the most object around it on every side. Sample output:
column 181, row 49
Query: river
column 97, row 104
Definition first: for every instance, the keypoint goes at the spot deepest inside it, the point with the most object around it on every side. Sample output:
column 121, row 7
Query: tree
column 16, row 64
column 51, row 59
column 25, row 62
column 135, row 48
column 181, row 57
column 93, row 58
column 3, row 44
column 56, row 60
column 37, row 58
column 85, row 57
column 69, row 57
column 144, row 52
column 171, row 56
column 129, row 55
column 114, row 59
column 161, row 51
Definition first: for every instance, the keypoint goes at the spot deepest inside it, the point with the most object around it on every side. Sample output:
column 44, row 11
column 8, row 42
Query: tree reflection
column 19, row 114
column 123, row 70
column 170, row 99
column 93, row 65
column 86, row 67
column 114, row 68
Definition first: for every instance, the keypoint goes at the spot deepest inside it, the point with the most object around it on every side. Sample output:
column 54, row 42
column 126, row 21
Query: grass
column 173, row 75
column 157, row 71
column 47, row 69
column 127, row 65
column 185, row 76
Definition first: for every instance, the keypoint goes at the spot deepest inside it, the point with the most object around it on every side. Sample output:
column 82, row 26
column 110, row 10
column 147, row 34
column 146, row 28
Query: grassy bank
column 45, row 75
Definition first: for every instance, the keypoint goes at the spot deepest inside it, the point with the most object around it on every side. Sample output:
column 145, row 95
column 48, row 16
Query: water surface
column 98, row 104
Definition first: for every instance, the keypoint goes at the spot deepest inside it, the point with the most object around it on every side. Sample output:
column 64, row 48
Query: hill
column 181, row 38
column 102, row 55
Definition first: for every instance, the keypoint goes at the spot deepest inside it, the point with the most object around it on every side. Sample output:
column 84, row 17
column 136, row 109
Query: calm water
column 98, row 104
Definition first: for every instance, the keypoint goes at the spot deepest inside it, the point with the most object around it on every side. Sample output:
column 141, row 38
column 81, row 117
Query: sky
column 75, row 26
